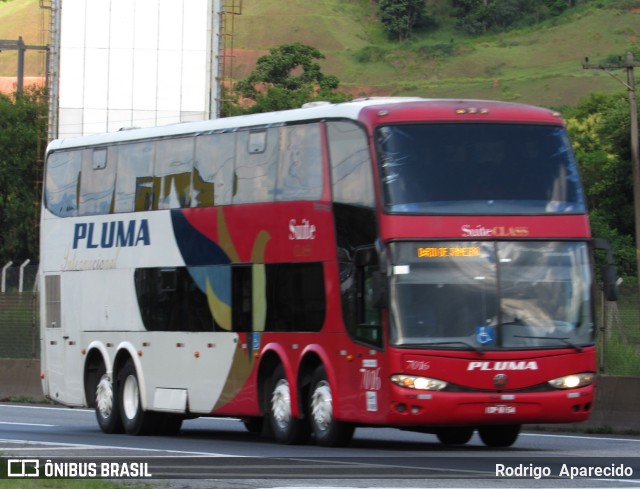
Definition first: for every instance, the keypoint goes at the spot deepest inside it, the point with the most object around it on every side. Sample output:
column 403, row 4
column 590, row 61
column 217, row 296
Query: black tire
column 168, row 424
column 135, row 420
column 254, row 424
column 328, row 431
column 107, row 406
column 500, row 436
column 454, row 436
column 286, row 428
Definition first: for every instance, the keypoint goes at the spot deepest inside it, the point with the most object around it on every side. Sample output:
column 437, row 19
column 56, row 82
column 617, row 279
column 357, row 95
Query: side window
column 295, row 297
column 359, row 293
column 173, row 167
column 61, row 185
column 170, row 300
column 241, row 298
column 256, row 166
column 351, row 172
column 213, row 170
column 300, row 163
column 134, row 180
column 97, row 181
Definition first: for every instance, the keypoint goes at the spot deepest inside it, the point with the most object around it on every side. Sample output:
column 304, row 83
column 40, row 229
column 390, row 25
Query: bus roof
column 411, row 108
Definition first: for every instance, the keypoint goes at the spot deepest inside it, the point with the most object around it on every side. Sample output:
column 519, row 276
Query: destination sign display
column 448, row 252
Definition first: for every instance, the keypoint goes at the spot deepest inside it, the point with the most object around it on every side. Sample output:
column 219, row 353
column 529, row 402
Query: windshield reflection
column 477, row 168
column 491, row 295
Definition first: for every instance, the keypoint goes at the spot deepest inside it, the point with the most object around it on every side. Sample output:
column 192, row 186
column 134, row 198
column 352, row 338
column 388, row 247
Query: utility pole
column 21, row 47
column 628, row 64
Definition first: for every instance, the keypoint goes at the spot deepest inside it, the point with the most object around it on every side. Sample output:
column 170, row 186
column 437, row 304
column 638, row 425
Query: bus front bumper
column 456, row 409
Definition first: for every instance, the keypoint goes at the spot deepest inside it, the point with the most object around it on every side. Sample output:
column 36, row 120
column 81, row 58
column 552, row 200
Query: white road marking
column 33, row 445
column 28, row 424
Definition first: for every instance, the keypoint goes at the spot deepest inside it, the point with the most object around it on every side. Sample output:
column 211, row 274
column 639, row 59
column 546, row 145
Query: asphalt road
column 220, row 453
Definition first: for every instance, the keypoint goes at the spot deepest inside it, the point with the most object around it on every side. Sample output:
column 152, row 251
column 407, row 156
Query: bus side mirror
column 380, row 294
column 609, row 271
column 610, row 279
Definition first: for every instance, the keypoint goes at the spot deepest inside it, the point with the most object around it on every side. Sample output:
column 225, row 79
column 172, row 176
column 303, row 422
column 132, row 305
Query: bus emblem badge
column 500, row 380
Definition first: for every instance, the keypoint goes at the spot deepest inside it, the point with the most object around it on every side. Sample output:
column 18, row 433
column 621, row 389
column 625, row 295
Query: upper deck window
column 276, row 164
column 478, row 168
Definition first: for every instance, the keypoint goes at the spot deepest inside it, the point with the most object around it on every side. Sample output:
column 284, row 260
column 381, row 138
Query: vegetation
column 482, row 16
column 400, row 16
column 599, row 127
column 22, row 135
column 533, row 63
column 286, row 78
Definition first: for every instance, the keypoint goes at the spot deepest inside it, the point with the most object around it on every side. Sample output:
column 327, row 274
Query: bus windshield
column 491, row 295
column 478, row 168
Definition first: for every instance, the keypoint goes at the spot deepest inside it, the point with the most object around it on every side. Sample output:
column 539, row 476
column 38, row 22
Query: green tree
column 284, row 79
column 480, row 16
column 399, row 17
column 599, row 127
column 22, row 134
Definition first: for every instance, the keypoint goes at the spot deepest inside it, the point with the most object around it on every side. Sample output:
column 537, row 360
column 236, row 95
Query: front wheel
column 287, row 429
column 135, row 420
column 328, row 431
column 500, row 436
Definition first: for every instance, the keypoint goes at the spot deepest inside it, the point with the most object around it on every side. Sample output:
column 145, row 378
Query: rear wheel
column 454, row 436
column 135, row 420
column 328, row 431
column 286, row 428
column 107, row 410
column 499, row 436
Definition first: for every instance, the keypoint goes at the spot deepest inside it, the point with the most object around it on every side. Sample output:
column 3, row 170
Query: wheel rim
column 281, row 404
column 130, row 397
column 104, row 396
column 322, row 406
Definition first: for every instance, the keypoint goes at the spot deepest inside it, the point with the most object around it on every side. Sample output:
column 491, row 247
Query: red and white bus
column 404, row 262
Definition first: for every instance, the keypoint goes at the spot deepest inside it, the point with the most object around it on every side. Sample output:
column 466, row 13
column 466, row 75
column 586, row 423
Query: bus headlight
column 572, row 381
column 419, row 383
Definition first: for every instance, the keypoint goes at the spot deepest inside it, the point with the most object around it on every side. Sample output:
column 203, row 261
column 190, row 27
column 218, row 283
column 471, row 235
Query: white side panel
column 171, row 400
column 75, row 243
column 103, row 300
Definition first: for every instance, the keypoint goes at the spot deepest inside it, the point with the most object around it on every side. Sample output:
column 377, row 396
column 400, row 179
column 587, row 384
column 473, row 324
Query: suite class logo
column 480, row 231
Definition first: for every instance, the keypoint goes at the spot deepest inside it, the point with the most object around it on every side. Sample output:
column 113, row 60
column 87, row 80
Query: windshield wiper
column 469, row 346
column 564, row 340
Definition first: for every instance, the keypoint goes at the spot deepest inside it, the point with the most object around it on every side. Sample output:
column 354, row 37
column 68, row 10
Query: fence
column 19, row 323
column 618, row 324
column 619, row 334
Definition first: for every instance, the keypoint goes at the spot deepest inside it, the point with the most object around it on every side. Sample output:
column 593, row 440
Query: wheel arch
column 315, row 356
column 272, row 356
column 96, row 357
column 310, row 361
column 125, row 352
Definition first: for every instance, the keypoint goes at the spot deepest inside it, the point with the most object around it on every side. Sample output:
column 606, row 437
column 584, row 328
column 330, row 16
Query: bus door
column 371, row 367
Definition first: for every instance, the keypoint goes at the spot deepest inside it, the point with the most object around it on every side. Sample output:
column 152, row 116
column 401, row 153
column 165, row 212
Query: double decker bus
column 400, row 262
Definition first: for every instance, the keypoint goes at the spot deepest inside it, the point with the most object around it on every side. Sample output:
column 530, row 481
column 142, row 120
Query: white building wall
column 135, row 63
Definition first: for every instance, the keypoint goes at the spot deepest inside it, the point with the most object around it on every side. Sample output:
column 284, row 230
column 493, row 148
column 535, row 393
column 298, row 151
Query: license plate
column 500, row 409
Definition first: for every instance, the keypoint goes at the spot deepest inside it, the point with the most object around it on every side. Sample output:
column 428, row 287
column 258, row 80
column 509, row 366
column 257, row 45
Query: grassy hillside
column 540, row 65
column 22, row 18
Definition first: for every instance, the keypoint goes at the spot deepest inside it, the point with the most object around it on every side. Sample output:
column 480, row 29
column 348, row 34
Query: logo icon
column 500, row 380
column 23, row 467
